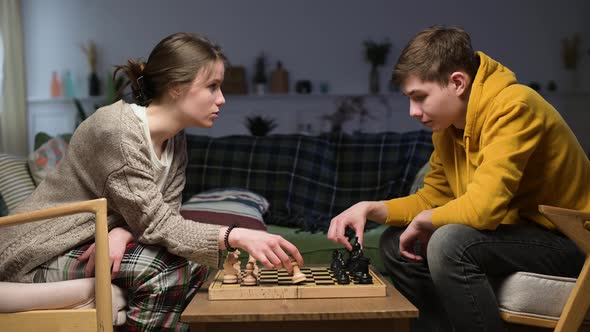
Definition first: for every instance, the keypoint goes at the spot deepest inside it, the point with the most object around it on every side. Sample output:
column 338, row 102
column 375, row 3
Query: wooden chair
column 576, row 226
column 78, row 320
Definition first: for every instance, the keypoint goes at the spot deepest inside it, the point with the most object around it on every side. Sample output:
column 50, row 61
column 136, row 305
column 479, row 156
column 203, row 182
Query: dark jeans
column 453, row 288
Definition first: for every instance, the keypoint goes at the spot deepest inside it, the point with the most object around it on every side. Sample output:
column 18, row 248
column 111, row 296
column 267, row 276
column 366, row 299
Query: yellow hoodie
column 515, row 153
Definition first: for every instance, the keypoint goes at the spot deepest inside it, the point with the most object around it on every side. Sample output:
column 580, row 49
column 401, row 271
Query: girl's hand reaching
column 270, row 250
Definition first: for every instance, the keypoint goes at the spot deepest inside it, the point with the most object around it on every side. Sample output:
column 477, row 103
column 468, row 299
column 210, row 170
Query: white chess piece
column 238, row 267
column 249, row 278
column 256, row 271
column 230, row 273
column 298, row 276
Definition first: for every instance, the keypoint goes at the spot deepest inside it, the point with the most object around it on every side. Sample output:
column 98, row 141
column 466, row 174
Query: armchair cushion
column 15, row 181
column 535, row 295
column 227, row 206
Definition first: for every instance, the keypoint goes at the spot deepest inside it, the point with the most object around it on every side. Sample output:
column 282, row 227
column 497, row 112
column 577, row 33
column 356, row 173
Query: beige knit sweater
column 108, row 157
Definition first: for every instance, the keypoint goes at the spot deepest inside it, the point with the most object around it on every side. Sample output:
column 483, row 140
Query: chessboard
column 277, row 284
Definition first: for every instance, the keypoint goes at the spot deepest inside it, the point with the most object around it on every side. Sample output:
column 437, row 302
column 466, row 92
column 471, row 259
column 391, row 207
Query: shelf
column 311, row 96
column 61, row 100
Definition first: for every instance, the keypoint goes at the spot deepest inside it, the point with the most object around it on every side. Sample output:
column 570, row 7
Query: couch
column 294, row 184
column 302, row 181
column 307, row 180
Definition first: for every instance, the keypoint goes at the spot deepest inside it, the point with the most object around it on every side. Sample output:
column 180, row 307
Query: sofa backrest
column 308, row 179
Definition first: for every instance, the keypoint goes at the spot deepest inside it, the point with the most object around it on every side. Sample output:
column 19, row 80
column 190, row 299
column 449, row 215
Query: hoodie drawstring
column 456, row 170
column 467, row 168
column 459, row 189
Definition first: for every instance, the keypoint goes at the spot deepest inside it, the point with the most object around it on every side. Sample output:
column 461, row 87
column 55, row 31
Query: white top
column 161, row 165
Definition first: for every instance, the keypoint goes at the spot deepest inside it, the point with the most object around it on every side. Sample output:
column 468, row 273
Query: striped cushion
column 227, row 206
column 16, row 183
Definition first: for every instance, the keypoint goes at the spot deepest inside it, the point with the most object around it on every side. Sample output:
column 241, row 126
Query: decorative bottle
column 69, row 89
column 55, row 85
column 279, row 80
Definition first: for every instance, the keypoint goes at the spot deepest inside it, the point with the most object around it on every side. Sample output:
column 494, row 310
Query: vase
column 573, row 81
column 374, row 80
column 93, row 85
column 69, row 89
column 55, row 85
column 259, row 89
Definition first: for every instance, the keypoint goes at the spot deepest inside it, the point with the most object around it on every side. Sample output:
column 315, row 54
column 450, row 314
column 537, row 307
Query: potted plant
column 346, row 109
column 259, row 125
column 376, row 55
column 260, row 74
column 93, row 80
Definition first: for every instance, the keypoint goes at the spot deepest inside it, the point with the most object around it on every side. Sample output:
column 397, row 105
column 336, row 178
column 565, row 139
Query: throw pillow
column 226, row 207
column 3, row 207
column 46, row 158
column 15, row 182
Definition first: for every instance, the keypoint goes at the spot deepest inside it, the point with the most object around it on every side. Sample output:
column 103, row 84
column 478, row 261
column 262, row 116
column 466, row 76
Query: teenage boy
column 500, row 150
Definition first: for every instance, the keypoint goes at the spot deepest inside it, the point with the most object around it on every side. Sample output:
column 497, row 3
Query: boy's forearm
column 376, row 211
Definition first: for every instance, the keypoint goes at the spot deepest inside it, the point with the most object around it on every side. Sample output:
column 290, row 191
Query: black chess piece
column 342, row 277
column 337, row 264
column 356, row 275
column 354, row 255
column 362, row 275
column 361, row 268
column 365, row 279
column 335, row 260
column 363, row 264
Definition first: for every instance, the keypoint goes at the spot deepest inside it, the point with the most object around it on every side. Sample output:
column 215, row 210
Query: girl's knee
column 154, row 264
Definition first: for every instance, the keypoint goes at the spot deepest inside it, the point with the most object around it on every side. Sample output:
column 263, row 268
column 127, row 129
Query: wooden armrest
column 102, row 263
column 572, row 223
column 544, row 209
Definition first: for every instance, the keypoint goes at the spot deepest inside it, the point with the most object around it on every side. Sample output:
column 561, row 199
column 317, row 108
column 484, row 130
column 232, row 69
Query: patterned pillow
column 15, row 182
column 227, row 206
column 3, row 207
column 46, row 157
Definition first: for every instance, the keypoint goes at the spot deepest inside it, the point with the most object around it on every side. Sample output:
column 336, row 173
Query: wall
column 316, row 40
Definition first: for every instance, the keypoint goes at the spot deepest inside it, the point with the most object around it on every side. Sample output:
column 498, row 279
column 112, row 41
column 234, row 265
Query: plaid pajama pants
column 159, row 284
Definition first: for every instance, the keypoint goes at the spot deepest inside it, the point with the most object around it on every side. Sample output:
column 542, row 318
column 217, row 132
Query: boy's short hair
column 434, row 53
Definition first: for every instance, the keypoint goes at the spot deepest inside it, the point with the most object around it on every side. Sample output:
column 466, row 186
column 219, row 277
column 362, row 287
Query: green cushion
column 317, row 249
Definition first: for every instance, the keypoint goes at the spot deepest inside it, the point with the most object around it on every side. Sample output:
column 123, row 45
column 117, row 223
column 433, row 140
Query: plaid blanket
column 308, row 179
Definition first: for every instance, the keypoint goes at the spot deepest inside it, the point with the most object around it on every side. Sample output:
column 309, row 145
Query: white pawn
column 256, row 271
column 249, row 279
column 298, row 276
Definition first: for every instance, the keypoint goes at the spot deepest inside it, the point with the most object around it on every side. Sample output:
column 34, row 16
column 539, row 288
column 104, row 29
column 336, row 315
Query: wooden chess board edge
column 219, row 291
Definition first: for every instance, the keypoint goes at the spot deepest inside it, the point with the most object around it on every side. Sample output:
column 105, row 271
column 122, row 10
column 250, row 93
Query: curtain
column 13, row 119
